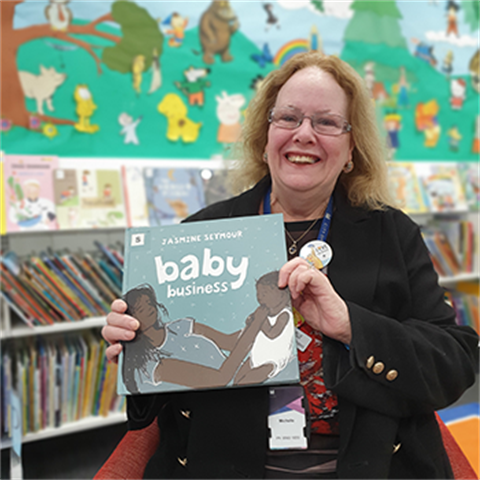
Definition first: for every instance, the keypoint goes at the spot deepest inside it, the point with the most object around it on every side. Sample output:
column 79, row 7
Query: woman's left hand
column 315, row 298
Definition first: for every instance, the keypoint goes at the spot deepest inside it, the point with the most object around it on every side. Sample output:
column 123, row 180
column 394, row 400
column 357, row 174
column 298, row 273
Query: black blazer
column 407, row 359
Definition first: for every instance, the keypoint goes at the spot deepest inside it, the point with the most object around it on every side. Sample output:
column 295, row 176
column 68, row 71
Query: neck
column 296, row 208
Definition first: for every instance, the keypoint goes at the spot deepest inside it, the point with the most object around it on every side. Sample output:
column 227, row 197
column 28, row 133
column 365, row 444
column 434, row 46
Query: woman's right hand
column 119, row 327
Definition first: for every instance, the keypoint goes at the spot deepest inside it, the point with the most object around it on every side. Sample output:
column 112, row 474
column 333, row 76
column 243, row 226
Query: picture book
column 101, row 199
column 442, row 187
column 28, row 185
column 135, row 196
column 3, row 210
column 405, row 187
column 470, row 178
column 67, row 198
column 211, row 313
column 216, row 185
column 172, row 194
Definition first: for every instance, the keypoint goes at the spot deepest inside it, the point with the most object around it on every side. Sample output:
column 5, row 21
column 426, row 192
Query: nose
column 305, row 133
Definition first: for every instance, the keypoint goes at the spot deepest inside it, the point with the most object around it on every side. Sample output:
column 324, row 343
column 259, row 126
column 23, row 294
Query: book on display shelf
column 172, row 194
column 28, row 190
column 211, row 313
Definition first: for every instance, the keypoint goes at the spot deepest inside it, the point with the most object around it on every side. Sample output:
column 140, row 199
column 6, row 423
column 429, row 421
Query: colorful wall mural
column 172, row 79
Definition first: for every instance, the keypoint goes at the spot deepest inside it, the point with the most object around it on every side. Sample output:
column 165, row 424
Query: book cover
column 135, row 196
column 66, row 197
column 3, row 209
column 470, row 178
column 172, row 194
column 442, row 187
column 212, row 315
column 216, row 185
column 29, row 192
column 405, row 187
column 101, row 199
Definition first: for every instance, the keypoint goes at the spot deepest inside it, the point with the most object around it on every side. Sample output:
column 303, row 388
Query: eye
column 327, row 121
column 287, row 117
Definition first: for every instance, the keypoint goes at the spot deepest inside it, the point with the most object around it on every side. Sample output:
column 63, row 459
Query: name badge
column 287, row 420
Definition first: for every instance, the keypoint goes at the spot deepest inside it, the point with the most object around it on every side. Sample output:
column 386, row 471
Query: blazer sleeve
column 407, row 356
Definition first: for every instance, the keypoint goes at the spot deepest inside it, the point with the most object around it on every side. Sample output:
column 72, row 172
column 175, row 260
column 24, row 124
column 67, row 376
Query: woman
column 382, row 352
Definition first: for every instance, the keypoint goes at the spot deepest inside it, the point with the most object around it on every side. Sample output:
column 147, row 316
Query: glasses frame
column 347, row 127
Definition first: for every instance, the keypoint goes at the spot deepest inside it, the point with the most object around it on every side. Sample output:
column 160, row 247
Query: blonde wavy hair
column 367, row 184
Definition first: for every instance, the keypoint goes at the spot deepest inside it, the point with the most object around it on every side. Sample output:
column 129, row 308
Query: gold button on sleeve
column 370, row 362
column 378, row 368
column 391, row 375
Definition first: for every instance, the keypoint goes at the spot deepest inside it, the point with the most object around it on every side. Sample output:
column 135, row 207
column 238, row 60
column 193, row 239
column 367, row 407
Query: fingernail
column 134, row 324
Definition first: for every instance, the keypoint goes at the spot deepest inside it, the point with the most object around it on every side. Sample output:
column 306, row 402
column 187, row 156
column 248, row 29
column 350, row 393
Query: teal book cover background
column 210, row 311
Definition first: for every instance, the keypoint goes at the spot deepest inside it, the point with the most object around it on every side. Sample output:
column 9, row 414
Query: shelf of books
column 61, row 266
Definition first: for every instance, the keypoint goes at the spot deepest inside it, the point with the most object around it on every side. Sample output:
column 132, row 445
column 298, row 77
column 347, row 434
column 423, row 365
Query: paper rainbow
column 289, row 49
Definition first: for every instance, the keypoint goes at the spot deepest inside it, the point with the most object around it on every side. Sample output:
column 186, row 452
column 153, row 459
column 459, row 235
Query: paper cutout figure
column 263, row 58
column 217, row 25
column 49, row 130
column 129, row 128
column 454, row 138
column 474, row 69
column 452, row 9
column 458, row 90
column 272, row 20
column 426, row 121
column 476, row 137
column 188, row 353
column 424, row 52
column 156, row 81
column 85, row 109
column 194, row 85
column 403, row 87
column 138, row 66
column 41, row 87
column 447, row 65
column 228, row 113
column 177, row 25
column 58, row 14
column 179, row 126
column 392, row 123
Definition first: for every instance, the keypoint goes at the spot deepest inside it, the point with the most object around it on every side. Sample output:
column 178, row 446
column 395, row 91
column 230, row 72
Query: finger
column 287, row 270
column 114, row 335
column 113, row 351
column 119, row 306
column 123, row 321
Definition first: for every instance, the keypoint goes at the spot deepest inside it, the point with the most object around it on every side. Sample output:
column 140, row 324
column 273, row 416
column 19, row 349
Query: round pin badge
column 317, row 253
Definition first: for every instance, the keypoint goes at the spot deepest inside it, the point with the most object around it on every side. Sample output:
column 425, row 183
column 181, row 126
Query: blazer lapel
column 355, row 237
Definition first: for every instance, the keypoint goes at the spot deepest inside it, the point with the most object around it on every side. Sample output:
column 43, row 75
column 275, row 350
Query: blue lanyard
column 324, row 227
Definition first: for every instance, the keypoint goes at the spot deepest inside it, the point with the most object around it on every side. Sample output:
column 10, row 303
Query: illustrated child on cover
column 192, row 354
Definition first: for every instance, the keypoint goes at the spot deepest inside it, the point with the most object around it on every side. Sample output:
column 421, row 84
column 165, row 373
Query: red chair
column 130, row 457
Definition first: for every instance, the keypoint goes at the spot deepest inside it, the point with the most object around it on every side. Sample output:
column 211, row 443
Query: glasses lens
column 285, row 118
column 329, row 124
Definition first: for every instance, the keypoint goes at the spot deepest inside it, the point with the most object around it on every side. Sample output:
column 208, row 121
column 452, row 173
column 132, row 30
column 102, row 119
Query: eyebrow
column 293, row 107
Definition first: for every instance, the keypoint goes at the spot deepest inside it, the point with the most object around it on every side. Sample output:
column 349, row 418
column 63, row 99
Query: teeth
column 301, row 159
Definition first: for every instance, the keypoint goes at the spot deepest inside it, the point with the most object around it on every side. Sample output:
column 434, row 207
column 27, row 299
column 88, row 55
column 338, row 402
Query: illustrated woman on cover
column 192, row 354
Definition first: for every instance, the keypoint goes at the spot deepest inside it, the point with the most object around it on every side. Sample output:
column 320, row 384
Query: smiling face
column 301, row 160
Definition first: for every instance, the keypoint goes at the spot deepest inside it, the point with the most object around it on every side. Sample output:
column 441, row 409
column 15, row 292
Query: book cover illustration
column 101, row 199
column 29, row 192
column 135, row 196
column 442, row 187
column 67, row 197
column 172, row 194
column 211, row 314
column 470, row 178
column 405, row 187
column 216, row 185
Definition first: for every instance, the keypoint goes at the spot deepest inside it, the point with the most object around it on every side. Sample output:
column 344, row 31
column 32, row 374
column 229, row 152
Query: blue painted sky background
column 424, row 20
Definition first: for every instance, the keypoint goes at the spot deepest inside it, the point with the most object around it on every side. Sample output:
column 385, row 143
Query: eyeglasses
column 323, row 123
